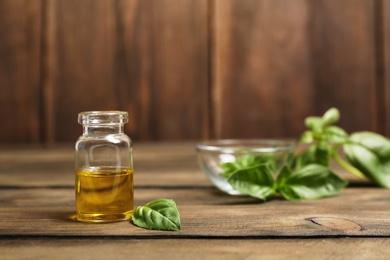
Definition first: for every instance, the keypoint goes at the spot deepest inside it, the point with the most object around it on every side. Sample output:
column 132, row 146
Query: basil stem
column 346, row 166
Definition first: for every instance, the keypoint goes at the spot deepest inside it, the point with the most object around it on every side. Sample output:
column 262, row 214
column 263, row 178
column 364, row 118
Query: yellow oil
column 104, row 194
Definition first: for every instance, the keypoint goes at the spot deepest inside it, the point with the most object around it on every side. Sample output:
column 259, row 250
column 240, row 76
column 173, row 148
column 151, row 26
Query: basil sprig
column 309, row 175
column 160, row 214
column 310, row 182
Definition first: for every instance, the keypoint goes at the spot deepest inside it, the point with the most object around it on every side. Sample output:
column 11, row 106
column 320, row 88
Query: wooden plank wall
column 20, row 78
column 192, row 69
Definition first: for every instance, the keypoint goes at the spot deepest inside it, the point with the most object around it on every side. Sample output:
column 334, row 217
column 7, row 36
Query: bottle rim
column 103, row 117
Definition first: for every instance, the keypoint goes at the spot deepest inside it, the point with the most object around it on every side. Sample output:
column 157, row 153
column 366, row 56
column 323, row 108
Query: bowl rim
column 226, row 145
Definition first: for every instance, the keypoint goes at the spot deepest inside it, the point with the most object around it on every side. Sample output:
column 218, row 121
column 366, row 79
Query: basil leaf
column 240, row 162
column 248, row 161
column 376, row 143
column 304, row 158
column 335, row 135
column 161, row 214
column 228, row 169
column 317, row 153
column 256, row 181
column 311, row 182
column 283, row 176
column 370, row 153
column 306, row 137
column 322, row 154
column 314, row 122
column 331, row 116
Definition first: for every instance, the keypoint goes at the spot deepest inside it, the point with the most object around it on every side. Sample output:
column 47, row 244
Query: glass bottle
column 103, row 168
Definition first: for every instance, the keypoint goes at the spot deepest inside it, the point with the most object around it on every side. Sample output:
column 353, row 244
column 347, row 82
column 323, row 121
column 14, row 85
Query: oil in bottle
column 104, row 194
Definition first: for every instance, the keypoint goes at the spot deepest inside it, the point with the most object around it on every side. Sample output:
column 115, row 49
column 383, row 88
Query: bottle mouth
column 103, row 117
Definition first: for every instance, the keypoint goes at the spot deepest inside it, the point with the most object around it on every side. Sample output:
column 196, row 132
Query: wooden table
column 37, row 202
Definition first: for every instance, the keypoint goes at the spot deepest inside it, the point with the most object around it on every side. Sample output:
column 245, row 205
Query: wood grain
column 31, row 186
column 20, row 61
column 283, row 249
column 205, row 213
column 262, row 71
column 386, row 66
column 145, row 57
column 277, row 62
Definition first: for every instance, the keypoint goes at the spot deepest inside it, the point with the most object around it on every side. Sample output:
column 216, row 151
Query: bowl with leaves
column 225, row 160
column 302, row 170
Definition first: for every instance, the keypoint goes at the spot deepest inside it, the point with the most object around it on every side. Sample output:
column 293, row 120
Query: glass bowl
column 211, row 154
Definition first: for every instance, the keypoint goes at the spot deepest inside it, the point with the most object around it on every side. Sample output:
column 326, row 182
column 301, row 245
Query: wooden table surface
column 37, row 204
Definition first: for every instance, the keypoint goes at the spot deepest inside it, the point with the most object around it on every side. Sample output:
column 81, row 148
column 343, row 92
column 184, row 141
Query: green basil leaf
column 284, row 174
column 317, row 153
column 228, row 169
column 307, row 137
column 314, row 122
column 256, row 181
column 335, row 135
column 304, row 158
column 322, row 154
column 248, row 161
column 376, row 143
column 161, row 214
column 241, row 162
column 331, row 116
column 370, row 153
column 311, row 182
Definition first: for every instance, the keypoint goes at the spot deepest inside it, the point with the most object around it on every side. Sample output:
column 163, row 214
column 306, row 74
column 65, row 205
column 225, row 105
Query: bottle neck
column 103, row 129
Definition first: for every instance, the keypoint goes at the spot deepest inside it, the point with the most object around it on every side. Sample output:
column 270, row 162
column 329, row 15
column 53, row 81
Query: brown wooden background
column 192, row 69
